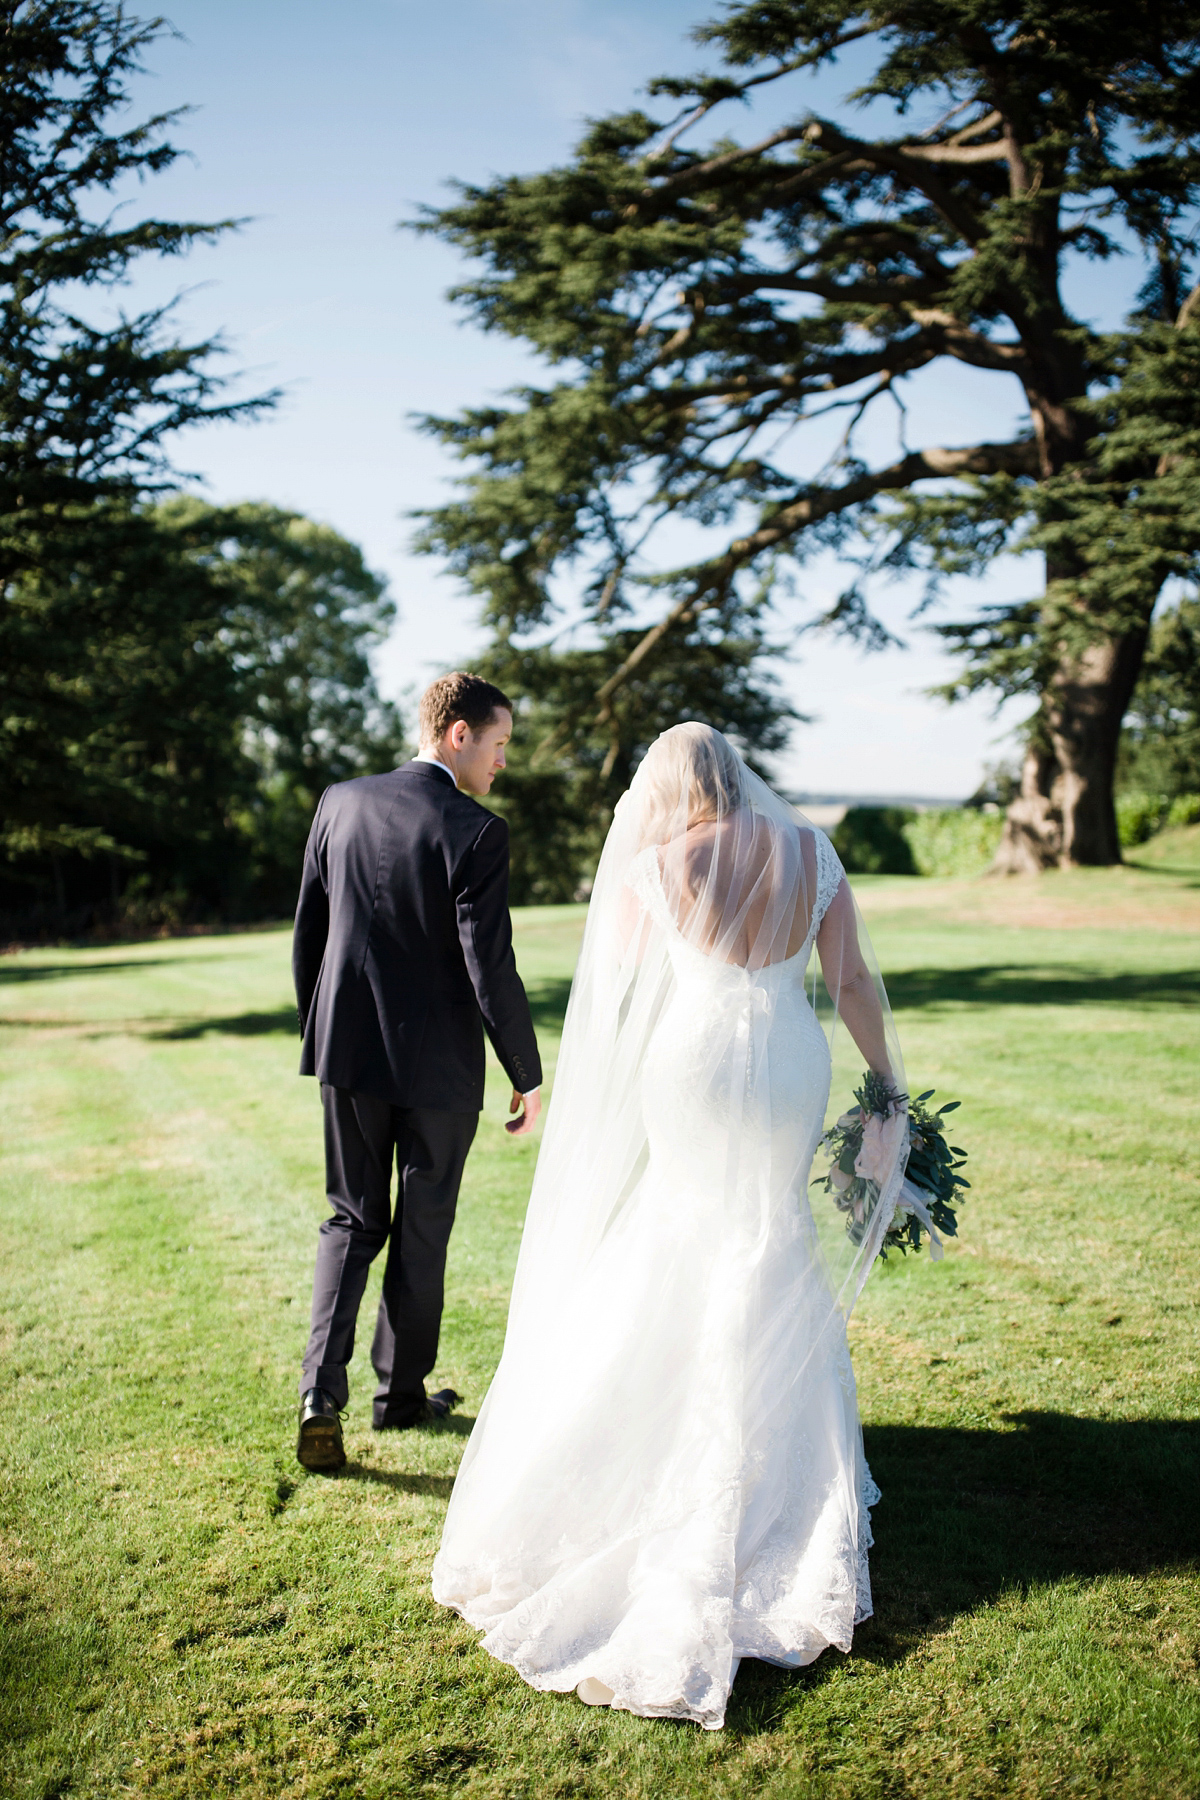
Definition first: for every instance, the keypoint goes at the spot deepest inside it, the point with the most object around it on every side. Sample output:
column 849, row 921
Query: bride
column 667, row 1473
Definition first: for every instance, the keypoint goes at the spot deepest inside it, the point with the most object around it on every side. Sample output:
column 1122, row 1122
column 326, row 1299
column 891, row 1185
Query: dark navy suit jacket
column 402, row 952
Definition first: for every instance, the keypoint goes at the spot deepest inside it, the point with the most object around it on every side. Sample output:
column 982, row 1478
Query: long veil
column 667, row 1472
column 704, row 858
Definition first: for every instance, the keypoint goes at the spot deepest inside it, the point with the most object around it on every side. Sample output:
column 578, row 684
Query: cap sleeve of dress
column 645, row 879
column 829, row 877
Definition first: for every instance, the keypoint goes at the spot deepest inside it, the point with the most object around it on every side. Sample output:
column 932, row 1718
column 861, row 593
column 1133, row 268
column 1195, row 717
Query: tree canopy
column 710, row 303
column 1160, row 750
column 87, row 399
column 85, row 405
column 202, row 678
column 564, row 776
column 178, row 681
column 297, row 613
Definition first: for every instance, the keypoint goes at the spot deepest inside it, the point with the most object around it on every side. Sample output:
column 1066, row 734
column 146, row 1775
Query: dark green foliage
column 1141, row 816
column 175, row 701
column 934, row 1166
column 121, row 732
column 565, row 773
column 700, row 303
column 84, row 406
column 1160, row 747
column 1119, row 526
column 954, row 840
column 298, row 611
column 870, row 841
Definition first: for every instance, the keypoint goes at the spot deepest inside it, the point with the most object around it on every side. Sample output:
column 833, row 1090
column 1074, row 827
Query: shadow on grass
column 1014, row 984
column 548, row 1002
column 1180, row 862
column 1184, row 875
column 969, row 1515
column 59, row 971
column 251, row 1024
column 437, row 1486
column 990, row 984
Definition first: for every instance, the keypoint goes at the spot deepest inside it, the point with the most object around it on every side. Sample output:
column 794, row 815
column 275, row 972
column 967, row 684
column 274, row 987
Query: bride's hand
column 533, row 1106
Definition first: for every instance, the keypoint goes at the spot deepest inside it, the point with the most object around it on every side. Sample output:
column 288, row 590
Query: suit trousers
column 363, row 1135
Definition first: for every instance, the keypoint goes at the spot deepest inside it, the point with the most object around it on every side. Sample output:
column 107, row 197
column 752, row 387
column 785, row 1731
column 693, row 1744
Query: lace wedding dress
column 668, row 1474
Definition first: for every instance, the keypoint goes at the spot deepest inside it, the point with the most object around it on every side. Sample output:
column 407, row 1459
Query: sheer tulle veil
column 667, row 1473
column 739, row 872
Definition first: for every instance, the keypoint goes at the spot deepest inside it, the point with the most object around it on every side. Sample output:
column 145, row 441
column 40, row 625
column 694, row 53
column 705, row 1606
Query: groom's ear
column 459, row 732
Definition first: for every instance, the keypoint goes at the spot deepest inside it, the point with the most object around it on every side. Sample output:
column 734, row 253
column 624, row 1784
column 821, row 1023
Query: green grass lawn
column 185, row 1612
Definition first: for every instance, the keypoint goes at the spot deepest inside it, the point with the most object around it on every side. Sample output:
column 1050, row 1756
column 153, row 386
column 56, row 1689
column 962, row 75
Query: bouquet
column 864, row 1144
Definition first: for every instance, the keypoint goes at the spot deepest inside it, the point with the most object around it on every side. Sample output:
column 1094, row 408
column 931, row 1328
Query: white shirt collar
column 428, row 756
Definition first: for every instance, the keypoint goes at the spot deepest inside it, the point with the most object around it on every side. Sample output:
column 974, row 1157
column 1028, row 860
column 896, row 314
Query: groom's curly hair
column 458, row 696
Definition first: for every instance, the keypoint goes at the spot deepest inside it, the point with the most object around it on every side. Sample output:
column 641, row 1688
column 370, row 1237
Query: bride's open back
column 667, row 1473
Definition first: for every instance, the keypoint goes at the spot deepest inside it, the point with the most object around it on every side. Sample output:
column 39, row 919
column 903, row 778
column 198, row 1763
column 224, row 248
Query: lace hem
column 869, row 1497
column 793, row 1644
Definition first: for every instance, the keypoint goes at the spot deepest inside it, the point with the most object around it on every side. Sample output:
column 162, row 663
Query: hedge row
column 893, row 840
column 1141, row 815
column 959, row 840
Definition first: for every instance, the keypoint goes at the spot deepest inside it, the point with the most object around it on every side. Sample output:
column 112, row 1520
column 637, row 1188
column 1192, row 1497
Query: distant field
column 186, row 1613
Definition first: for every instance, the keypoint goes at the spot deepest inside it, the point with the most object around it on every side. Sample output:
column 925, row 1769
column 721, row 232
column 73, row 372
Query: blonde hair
column 690, row 769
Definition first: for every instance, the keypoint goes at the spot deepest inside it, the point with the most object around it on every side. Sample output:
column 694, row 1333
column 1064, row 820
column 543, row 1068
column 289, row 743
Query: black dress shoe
column 319, row 1445
column 436, row 1406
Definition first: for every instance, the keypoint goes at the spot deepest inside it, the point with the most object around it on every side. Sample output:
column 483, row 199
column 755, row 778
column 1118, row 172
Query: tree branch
column 906, row 160
column 858, row 293
column 987, row 123
column 971, row 346
column 738, row 90
column 712, row 579
column 698, row 172
column 1189, row 309
column 685, row 124
column 940, row 334
column 958, row 155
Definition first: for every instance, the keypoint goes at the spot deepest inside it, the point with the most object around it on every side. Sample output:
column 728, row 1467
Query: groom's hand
column 533, row 1105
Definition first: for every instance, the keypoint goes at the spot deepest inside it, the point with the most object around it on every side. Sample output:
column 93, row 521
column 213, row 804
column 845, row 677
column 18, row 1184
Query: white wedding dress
column 668, row 1474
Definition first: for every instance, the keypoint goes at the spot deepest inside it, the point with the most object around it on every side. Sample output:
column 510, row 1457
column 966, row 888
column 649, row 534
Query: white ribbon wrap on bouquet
column 913, row 1198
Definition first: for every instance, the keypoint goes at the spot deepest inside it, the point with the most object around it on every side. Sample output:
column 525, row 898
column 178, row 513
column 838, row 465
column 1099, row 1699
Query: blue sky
column 325, row 126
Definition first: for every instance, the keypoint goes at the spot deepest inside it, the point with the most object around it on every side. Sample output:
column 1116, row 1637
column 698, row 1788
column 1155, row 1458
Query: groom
column 402, row 958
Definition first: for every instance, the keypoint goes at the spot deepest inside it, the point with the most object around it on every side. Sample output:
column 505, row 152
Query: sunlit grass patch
column 186, row 1612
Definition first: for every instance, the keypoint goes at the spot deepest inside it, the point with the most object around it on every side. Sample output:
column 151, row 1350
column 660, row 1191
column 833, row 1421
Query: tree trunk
column 1033, row 824
column 1064, row 816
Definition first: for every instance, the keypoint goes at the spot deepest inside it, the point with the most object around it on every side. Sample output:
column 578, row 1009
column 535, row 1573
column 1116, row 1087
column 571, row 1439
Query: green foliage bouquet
column 863, row 1144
